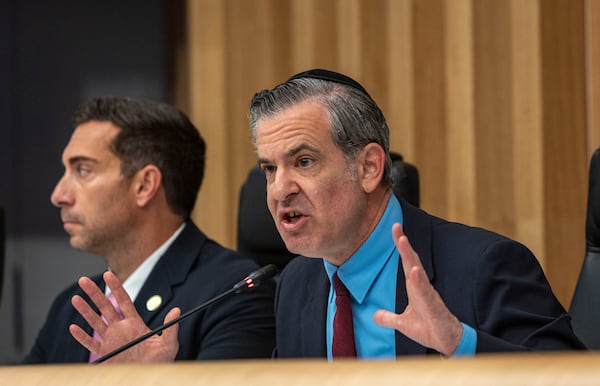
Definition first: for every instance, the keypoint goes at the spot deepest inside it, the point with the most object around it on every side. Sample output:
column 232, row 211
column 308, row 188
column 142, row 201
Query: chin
column 293, row 247
column 301, row 244
column 302, row 250
column 79, row 244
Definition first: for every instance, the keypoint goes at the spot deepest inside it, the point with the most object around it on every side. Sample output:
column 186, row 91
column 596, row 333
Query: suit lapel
column 170, row 271
column 314, row 315
column 417, row 228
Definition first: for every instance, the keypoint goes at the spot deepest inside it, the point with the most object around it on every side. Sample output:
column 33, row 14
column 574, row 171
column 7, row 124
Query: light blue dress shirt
column 370, row 276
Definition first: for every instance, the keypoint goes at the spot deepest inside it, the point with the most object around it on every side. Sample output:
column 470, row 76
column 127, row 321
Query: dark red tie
column 343, row 329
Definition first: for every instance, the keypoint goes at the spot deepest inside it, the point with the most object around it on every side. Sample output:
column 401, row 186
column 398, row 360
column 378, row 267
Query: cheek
column 113, row 201
column 337, row 196
column 269, row 197
column 271, row 206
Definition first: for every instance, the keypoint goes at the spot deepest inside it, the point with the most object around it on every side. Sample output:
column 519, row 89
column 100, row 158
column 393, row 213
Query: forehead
column 307, row 121
column 91, row 139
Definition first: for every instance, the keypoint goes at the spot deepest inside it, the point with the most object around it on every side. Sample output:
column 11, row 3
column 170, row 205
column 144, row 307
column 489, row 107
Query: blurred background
column 495, row 101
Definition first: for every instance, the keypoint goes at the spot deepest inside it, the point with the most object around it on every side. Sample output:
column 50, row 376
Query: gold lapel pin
column 154, row 302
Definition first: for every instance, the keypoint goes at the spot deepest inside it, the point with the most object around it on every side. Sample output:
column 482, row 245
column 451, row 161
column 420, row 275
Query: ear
column 372, row 163
column 147, row 182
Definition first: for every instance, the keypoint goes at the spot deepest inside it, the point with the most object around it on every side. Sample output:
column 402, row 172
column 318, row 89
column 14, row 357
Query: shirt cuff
column 468, row 342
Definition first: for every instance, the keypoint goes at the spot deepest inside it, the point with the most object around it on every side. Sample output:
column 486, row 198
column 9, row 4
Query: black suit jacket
column 488, row 281
column 193, row 270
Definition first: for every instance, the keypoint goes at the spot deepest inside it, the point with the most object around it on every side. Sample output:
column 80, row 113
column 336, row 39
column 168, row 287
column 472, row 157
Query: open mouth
column 292, row 220
column 292, row 217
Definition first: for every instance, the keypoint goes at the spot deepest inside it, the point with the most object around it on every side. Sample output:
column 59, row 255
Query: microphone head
column 255, row 278
column 263, row 273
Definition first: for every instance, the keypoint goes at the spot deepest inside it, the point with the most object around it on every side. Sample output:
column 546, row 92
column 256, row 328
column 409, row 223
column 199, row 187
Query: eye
column 305, row 162
column 267, row 169
column 83, row 170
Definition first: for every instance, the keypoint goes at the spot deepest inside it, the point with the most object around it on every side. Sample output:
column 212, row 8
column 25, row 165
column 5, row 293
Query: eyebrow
column 81, row 158
column 292, row 152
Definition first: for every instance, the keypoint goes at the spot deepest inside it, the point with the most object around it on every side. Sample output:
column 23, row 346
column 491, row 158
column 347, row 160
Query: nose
column 61, row 196
column 283, row 185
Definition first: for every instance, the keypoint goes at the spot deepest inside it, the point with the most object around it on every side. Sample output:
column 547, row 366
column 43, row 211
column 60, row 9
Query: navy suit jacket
column 193, row 270
column 488, row 281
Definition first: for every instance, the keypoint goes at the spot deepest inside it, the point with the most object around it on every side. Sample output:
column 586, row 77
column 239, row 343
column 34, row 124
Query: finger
column 418, row 295
column 90, row 316
column 397, row 231
column 84, row 339
column 418, row 288
column 387, row 319
column 421, row 297
column 99, row 299
column 120, row 295
column 170, row 334
column 408, row 256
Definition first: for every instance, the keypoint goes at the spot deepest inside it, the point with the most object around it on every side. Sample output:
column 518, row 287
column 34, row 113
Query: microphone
column 254, row 279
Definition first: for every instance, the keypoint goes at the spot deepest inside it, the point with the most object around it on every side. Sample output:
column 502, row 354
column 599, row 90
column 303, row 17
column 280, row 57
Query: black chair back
column 585, row 305
column 257, row 236
column 406, row 180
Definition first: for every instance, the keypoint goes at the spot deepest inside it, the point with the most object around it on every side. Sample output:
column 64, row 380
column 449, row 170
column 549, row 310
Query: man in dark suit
column 417, row 284
column 132, row 173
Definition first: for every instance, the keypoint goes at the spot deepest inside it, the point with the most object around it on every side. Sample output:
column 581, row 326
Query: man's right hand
column 117, row 330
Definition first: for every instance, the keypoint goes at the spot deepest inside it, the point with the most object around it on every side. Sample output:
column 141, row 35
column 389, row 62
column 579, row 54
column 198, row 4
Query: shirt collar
column 359, row 272
column 133, row 284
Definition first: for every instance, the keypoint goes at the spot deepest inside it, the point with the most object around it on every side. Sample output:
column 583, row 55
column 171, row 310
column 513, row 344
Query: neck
column 376, row 205
column 125, row 259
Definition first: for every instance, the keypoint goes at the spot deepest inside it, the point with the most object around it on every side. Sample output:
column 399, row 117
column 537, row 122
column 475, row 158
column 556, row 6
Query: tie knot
column 340, row 288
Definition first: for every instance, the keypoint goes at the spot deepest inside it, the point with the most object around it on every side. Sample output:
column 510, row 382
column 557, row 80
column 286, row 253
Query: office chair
column 406, row 180
column 257, row 236
column 585, row 305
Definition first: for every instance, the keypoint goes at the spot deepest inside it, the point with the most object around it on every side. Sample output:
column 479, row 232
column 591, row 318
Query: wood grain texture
column 492, row 370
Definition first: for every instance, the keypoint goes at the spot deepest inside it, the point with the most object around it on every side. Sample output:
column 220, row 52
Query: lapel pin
column 153, row 303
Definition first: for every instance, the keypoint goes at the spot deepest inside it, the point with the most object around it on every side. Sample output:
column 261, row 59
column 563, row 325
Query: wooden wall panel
column 348, row 37
column 526, row 124
column 251, row 66
column 490, row 99
column 493, row 111
column 207, row 108
column 460, row 105
column 592, row 41
column 428, row 56
column 564, row 140
column 400, row 109
column 373, row 55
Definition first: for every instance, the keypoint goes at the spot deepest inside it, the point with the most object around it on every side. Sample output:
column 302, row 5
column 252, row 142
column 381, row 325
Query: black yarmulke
column 332, row 76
